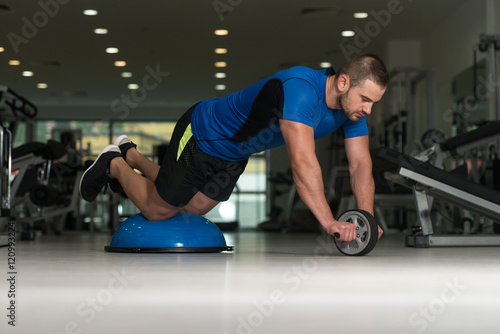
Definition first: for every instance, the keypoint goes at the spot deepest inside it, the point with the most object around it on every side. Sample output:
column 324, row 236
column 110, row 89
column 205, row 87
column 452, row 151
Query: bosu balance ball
column 183, row 233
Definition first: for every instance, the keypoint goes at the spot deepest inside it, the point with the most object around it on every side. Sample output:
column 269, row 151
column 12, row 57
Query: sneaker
column 97, row 175
column 124, row 143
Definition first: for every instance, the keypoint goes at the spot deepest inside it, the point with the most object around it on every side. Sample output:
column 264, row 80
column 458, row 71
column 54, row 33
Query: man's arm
column 360, row 168
column 299, row 139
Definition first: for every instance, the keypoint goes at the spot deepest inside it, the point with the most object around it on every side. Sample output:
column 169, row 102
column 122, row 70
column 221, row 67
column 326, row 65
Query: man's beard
column 349, row 114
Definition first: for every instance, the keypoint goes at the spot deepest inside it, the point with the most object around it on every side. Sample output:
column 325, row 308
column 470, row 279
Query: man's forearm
column 310, row 187
column 363, row 187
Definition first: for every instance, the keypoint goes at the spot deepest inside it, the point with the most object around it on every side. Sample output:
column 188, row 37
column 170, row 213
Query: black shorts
column 186, row 169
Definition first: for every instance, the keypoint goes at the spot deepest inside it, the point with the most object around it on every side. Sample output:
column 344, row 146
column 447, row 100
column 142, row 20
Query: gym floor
column 271, row 283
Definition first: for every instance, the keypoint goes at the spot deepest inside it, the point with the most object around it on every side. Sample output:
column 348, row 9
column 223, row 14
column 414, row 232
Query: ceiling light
column 112, row 50
column 221, row 32
column 2, row 49
column 360, row 15
column 42, row 85
column 101, row 31
column 220, row 51
column 120, row 63
column 220, row 87
column 325, row 64
column 126, row 75
column 90, row 12
column 133, row 86
column 14, row 62
column 220, row 75
column 220, row 64
column 348, row 33
column 27, row 74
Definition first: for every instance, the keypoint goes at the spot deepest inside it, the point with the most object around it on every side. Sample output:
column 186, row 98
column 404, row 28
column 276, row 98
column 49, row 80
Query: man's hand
column 346, row 231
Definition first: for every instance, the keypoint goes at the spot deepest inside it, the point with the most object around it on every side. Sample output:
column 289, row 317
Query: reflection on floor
column 272, row 283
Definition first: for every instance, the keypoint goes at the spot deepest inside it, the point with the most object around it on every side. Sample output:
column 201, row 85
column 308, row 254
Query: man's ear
column 343, row 83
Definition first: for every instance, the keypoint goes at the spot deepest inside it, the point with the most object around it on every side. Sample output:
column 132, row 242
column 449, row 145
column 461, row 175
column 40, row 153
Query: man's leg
column 142, row 191
column 200, row 204
column 138, row 161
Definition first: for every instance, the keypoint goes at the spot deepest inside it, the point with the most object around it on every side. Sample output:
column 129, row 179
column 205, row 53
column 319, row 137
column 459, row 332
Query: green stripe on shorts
column 185, row 138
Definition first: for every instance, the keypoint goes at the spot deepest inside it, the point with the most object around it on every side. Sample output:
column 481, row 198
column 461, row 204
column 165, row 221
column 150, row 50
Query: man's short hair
column 363, row 67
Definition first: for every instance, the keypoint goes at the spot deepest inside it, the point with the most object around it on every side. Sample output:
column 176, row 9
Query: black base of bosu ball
column 183, row 233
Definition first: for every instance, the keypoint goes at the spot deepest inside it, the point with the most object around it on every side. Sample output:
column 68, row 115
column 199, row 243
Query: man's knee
column 155, row 214
column 200, row 204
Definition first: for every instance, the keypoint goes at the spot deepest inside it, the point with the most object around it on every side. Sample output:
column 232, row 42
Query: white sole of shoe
column 121, row 140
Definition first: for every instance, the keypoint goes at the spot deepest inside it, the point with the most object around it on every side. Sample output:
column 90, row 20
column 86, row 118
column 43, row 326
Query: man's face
column 358, row 101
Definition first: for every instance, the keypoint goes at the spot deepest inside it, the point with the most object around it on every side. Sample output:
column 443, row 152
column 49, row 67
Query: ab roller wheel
column 366, row 233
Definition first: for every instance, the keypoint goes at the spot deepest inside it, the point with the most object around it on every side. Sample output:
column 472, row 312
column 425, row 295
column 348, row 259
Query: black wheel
column 366, row 230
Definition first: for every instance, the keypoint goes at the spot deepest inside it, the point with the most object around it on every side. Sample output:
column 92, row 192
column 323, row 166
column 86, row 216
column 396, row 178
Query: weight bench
column 461, row 144
column 427, row 181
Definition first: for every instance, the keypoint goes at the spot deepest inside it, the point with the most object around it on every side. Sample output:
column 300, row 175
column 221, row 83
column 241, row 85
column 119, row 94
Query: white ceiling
column 177, row 37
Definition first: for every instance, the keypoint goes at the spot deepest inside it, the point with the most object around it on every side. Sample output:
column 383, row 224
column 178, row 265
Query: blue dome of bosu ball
column 183, row 233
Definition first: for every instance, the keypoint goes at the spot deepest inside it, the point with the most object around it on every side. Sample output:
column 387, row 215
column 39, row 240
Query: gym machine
column 491, row 45
column 5, row 168
column 428, row 182
column 482, row 136
column 401, row 107
column 43, row 188
column 20, row 110
column 35, row 186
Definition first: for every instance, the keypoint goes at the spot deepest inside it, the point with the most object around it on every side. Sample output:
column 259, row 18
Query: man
column 213, row 140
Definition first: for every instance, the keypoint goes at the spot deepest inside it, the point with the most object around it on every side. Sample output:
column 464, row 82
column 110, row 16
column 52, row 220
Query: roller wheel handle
column 366, row 230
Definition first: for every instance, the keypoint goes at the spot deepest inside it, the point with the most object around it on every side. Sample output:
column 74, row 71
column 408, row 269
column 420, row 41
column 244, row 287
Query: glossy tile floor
column 272, row 283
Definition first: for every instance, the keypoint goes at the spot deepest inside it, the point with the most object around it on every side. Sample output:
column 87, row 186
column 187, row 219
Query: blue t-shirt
column 246, row 122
